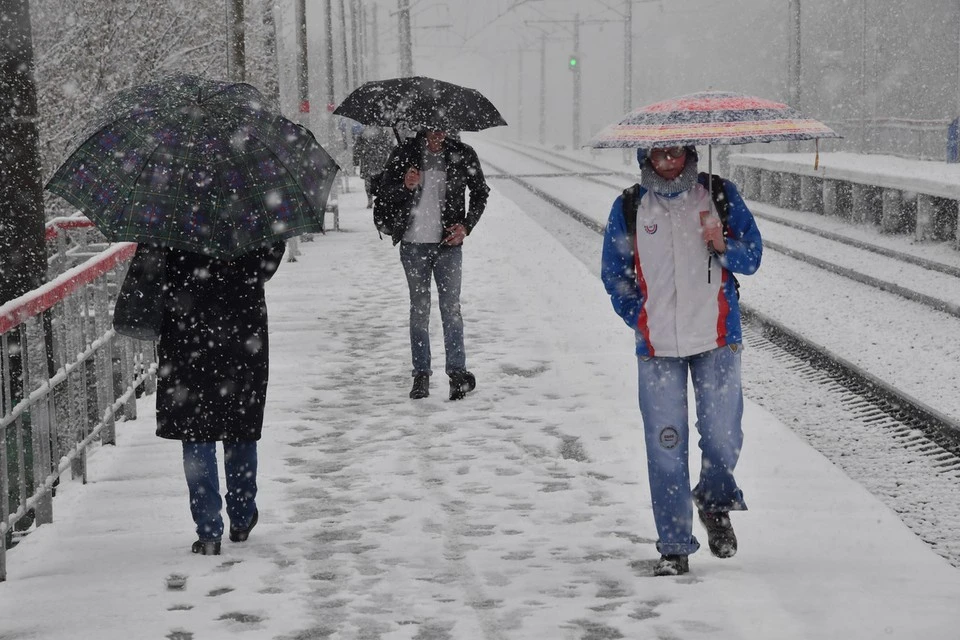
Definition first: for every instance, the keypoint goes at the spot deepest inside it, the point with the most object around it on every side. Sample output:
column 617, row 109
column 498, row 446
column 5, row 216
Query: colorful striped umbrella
column 707, row 118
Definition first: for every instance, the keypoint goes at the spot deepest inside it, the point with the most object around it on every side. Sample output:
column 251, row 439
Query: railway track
column 850, row 415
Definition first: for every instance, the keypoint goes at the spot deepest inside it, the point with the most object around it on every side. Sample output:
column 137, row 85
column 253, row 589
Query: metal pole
column 355, row 30
column 271, row 82
column 375, row 41
column 795, row 64
column 346, row 57
column 543, row 89
column 236, row 56
column 331, row 85
column 520, row 95
column 863, row 76
column 576, row 82
column 303, row 90
column 406, row 41
column 628, row 57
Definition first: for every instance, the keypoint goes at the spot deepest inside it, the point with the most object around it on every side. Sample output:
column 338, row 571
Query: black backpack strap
column 718, row 194
column 630, row 204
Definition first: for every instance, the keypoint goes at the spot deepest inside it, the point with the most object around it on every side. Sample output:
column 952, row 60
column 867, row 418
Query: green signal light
column 574, row 61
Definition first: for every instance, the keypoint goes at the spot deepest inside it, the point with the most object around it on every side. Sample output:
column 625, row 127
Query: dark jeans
column 203, row 482
column 421, row 262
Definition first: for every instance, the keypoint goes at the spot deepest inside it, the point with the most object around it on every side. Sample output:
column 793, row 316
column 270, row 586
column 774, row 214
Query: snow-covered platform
column 898, row 194
column 520, row 512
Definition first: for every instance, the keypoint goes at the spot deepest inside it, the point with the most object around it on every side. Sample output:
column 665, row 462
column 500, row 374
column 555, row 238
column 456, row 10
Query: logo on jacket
column 650, row 228
column 669, row 438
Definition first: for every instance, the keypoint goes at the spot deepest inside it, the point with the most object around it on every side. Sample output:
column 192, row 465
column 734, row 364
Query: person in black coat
column 370, row 153
column 213, row 356
column 421, row 206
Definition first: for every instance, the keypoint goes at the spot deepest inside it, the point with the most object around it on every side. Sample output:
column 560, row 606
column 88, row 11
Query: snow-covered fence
column 65, row 377
column 70, row 241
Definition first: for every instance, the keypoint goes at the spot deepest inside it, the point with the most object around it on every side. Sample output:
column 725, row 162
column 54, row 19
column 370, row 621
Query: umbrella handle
column 397, row 134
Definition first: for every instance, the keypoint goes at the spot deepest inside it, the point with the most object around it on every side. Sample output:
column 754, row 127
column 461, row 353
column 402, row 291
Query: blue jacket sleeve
column 744, row 245
column 617, row 268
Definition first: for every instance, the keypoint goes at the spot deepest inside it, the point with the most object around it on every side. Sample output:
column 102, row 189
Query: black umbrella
column 420, row 103
column 201, row 165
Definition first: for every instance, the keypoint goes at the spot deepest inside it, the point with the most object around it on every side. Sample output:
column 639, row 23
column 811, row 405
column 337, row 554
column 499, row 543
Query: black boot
column 240, row 535
column 461, row 383
column 421, row 386
column 672, row 565
column 720, row 535
column 206, row 547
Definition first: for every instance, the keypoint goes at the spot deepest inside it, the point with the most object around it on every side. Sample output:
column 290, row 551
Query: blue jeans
column 421, row 262
column 203, row 483
column 663, row 405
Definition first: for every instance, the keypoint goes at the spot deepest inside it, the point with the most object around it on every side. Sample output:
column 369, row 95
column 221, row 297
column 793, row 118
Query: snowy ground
column 521, row 512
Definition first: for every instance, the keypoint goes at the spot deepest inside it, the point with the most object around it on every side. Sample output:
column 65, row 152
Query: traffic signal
column 574, row 61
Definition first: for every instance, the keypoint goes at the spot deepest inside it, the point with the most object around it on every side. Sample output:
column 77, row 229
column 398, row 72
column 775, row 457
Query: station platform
column 521, row 512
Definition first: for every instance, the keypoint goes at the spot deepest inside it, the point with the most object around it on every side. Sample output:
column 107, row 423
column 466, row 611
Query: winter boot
column 722, row 539
column 240, row 535
column 206, row 547
column 461, row 383
column 421, row 386
column 672, row 566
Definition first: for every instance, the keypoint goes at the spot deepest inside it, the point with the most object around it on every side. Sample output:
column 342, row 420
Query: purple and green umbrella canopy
column 707, row 118
column 199, row 165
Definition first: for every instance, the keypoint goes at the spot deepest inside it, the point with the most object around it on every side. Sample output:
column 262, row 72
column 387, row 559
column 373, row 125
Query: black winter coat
column 213, row 348
column 395, row 202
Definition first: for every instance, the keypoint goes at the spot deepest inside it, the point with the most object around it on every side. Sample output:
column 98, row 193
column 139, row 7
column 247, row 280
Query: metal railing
column 65, row 378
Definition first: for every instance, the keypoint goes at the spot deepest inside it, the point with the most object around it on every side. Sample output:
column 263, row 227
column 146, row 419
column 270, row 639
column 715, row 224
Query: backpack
column 631, row 203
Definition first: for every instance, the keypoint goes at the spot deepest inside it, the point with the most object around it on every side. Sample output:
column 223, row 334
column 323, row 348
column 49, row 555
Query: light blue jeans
column 663, row 405
column 423, row 262
column 203, row 483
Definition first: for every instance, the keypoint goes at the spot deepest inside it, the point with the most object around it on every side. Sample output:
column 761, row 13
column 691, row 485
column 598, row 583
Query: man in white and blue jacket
column 670, row 277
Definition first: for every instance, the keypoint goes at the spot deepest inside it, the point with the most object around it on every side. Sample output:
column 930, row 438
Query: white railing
column 65, row 378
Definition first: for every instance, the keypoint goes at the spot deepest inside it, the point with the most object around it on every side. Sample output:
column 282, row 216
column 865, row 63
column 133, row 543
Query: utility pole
column 355, row 30
column 303, row 89
column 364, row 65
column 520, row 94
column 628, row 58
column 795, row 64
column 863, row 76
column 331, row 85
column 542, row 137
column 236, row 54
column 406, row 41
column 346, row 56
column 23, row 253
column 375, row 41
column 577, row 86
column 271, row 80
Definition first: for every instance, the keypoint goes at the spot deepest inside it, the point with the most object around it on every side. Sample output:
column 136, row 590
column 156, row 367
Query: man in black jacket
column 421, row 205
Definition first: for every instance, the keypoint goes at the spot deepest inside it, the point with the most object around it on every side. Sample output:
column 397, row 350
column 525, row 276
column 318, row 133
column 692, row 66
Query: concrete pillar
column 810, row 196
column 770, row 186
column 789, row 191
column 925, row 216
column 891, row 220
column 830, row 198
column 860, row 209
column 751, row 183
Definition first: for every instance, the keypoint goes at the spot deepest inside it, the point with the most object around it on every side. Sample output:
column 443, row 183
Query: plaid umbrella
column 710, row 117
column 199, row 165
column 420, row 103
